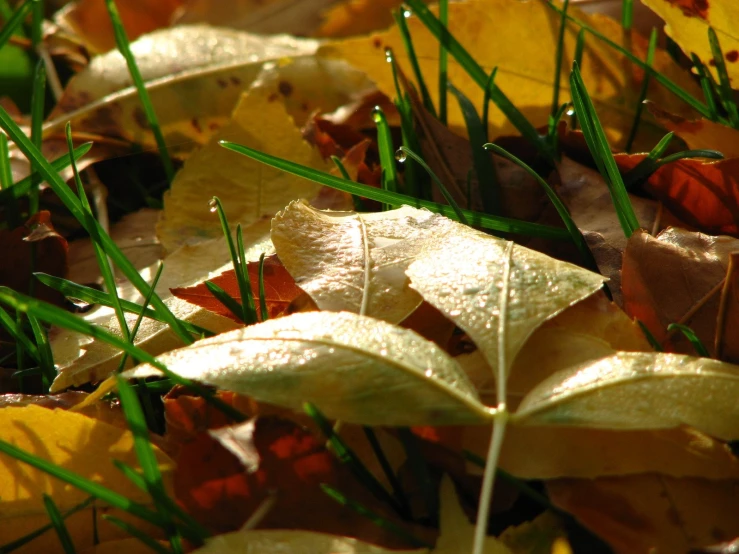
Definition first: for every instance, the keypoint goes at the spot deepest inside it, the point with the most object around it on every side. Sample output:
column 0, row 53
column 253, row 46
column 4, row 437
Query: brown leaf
column 652, row 514
column 727, row 327
column 704, row 195
column 676, row 277
column 279, row 287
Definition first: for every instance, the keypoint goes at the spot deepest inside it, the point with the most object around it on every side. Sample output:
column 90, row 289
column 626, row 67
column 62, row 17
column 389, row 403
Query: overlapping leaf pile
column 400, row 335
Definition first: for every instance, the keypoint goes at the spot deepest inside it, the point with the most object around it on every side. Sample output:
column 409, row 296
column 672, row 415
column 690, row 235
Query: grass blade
column 420, row 470
column 579, row 48
column 13, row 327
column 477, row 73
column 627, row 14
column 46, row 357
column 443, row 41
column 653, row 342
column 389, row 473
column 374, row 517
column 38, row 100
column 725, row 91
column 645, row 168
column 14, row 23
column 558, row 57
column 564, row 213
column 93, row 296
column 405, row 35
column 262, row 293
column 124, row 48
column 226, row 299
column 494, row 223
column 706, row 86
column 137, row 534
column 485, row 117
column 91, row 226
column 57, row 522
column 644, row 88
column 386, row 151
column 692, row 337
column 601, row 151
column 487, row 176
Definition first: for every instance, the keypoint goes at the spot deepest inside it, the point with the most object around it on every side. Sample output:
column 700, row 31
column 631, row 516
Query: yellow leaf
column 700, row 134
column 356, row 17
column 79, row 444
column 520, row 39
column 687, row 23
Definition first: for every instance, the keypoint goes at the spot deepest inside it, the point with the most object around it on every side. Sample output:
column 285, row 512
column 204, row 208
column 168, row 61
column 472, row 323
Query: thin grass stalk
column 138, row 534
column 692, row 337
column 443, row 62
column 57, row 522
column 706, row 86
column 643, row 92
column 38, row 97
column 558, row 53
column 405, row 35
column 725, row 90
column 15, row 21
column 121, row 39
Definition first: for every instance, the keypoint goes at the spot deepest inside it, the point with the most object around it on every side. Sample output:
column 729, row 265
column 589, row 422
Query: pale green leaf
column 639, row 390
column 354, row 368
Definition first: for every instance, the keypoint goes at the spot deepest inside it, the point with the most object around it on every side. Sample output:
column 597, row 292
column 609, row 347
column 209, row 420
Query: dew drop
column 213, row 205
column 389, row 55
column 571, row 112
column 400, row 155
column 407, row 12
column 377, row 114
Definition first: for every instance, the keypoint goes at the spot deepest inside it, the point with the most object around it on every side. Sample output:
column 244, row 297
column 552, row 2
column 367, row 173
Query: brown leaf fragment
column 727, row 326
column 239, row 441
column 651, row 513
column 676, row 277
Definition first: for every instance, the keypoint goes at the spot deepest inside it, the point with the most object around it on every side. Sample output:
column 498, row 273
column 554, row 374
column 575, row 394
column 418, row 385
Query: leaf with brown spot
column 701, row 133
column 703, row 195
column 648, row 514
column 676, row 277
column 279, row 288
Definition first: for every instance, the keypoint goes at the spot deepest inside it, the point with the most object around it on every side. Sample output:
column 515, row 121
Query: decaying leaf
column 355, row 261
column 687, row 23
column 379, row 374
column 515, row 35
column 79, row 444
column 279, row 288
column 651, row 514
column 701, row 133
column 496, row 291
column 676, row 277
column 727, row 324
column 703, row 195
column 356, row 17
column 195, row 76
column 639, row 390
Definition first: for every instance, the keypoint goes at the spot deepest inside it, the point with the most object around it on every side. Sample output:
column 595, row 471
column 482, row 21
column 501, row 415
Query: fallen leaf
column 676, row 278
column 296, row 542
column 88, row 20
column 497, row 292
column 639, row 390
column 248, row 189
column 356, row 17
column 279, row 288
column 181, row 67
column 703, row 195
column 379, row 374
column 651, row 514
column 129, row 546
column 515, row 47
column 727, row 325
column 81, row 445
column 687, row 23
column 700, row 134
column 538, row 536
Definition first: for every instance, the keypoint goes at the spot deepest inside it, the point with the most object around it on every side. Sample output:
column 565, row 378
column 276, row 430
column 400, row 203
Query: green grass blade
column 93, row 296
column 706, row 86
column 73, row 205
column 38, row 101
column 6, row 173
column 420, row 469
column 400, row 496
column 226, row 299
column 346, row 456
column 487, row 177
column 374, row 517
column 553, row 123
column 443, row 63
column 494, row 223
column 558, row 57
column 7, row 548
column 60, row 318
column 727, row 94
column 14, row 23
column 386, row 150
column 46, row 357
column 262, row 293
column 485, row 117
column 477, row 73
column 662, row 79
column 250, row 308
column 358, row 205
column 37, row 23
column 577, row 238
column 405, row 36
column 13, row 327
column 579, row 48
column 643, row 92
column 403, row 152
column 627, row 14
column 57, row 522
column 601, row 151
column 124, row 48
column 647, row 166
column 654, row 343
column 137, row 534
column 692, row 337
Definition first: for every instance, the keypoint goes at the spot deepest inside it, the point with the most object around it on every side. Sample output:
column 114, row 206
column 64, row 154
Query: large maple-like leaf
column 279, row 288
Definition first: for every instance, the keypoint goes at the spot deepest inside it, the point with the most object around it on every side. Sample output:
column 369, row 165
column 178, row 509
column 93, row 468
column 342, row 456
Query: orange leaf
column 279, row 289
column 701, row 133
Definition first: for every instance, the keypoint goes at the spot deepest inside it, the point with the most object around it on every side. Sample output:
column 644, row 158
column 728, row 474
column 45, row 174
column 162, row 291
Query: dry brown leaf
column 356, row 17
column 676, row 277
column 727, row 324
column 652, row 514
